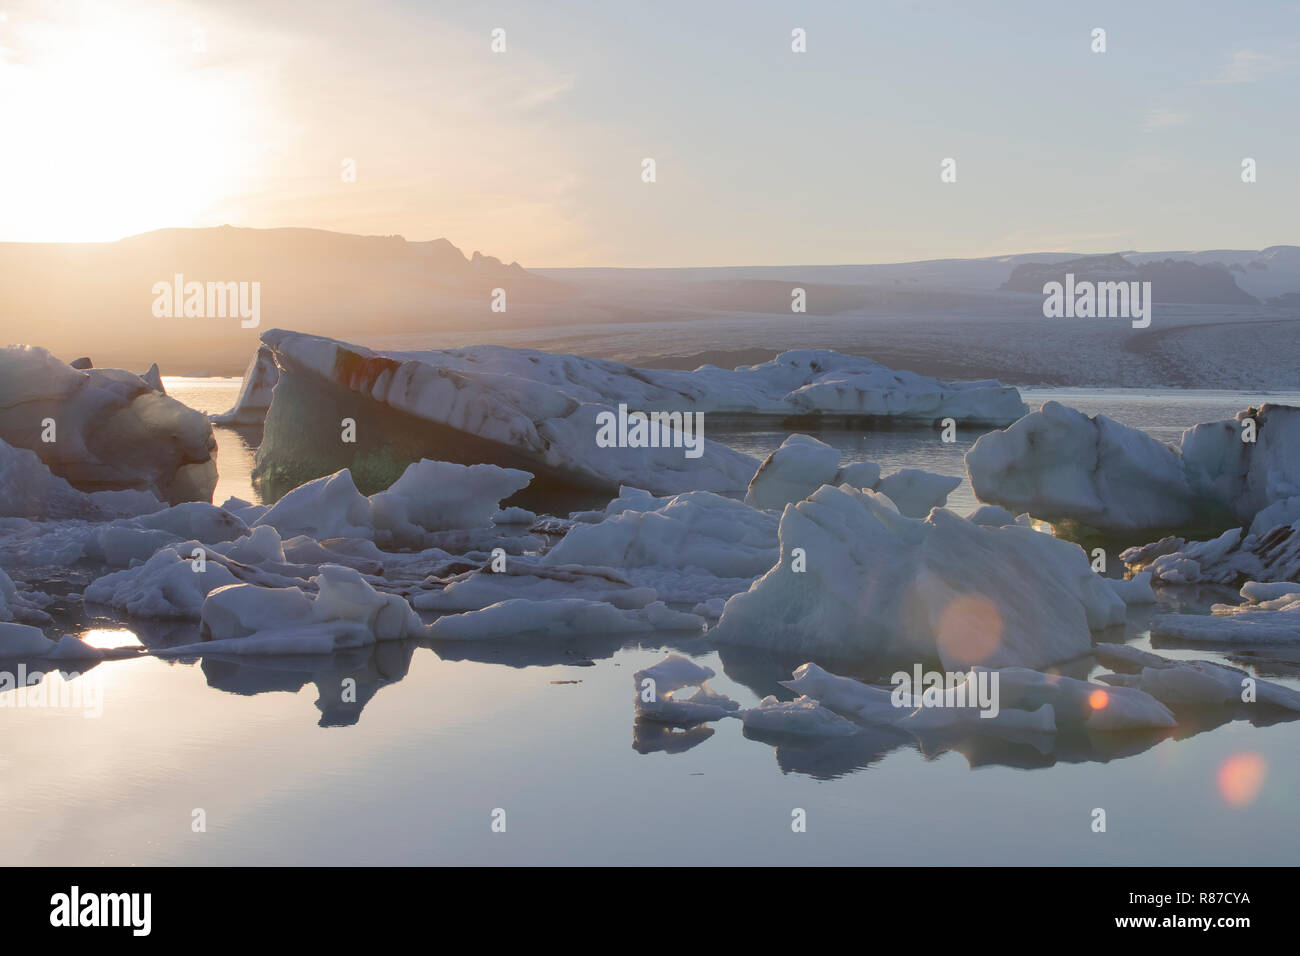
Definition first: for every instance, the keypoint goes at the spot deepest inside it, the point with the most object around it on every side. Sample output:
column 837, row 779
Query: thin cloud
column 1250, row 66
column 1163, row 119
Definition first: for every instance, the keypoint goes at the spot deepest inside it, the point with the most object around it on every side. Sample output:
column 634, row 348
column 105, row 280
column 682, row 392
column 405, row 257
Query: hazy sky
column 120, row 117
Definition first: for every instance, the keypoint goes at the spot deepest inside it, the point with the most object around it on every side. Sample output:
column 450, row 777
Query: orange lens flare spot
column 1241, row 777
column 1098, row 699
column 970, row 630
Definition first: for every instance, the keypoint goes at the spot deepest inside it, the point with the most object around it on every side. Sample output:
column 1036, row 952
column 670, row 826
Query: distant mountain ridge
column 1172, row 280
column 96, row 299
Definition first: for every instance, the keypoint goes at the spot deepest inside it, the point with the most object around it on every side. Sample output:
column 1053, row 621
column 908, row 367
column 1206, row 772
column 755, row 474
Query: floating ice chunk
column 238, row 610
column 877, row 583
column 165, row 586
column 442, row 496
column 991, row 516
column 254, row 393
column 153, row 378
column 524, row 578
column 860, row 474
column 1062, row 466
column 329, row 507
column 1136, row 590
column 540, row 409
column 1179, row 682
column 430, row 497
column 803, row 716
column 24, row 641
column 1273, row 622
column 137, row 539
column 558, row 617
column 843, row 695
column 877, row 705
column 1284, row 512
column 8, row 596
column 673, row 673
column 514, row 515
column 658, row 693
column 262, row 546
column 703, row 705
column 915, row 492
column 21, row 605
column 119, row 545
column 803, row 464
column 1078, row 702
column 344, row 595
column 690, row 547
column 711, row 609
column 114, row 431
column 245, row 511
column 1256, row 592
column 510, row 407
column 345, row 612
column 1041, row 720
column 791, row 473
column 197, row 520
column 1230, row 559
column 28, row 489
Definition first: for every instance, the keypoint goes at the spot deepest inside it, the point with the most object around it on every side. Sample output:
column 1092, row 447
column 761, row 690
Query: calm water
column 287, row 774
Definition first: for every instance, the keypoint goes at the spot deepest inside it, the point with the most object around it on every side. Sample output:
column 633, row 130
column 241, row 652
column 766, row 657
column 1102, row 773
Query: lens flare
column 970, row 630
column 1098, row 699
column 1241, row 777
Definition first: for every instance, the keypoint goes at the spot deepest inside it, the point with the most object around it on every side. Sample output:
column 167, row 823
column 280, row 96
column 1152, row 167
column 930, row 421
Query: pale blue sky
column 764, row 156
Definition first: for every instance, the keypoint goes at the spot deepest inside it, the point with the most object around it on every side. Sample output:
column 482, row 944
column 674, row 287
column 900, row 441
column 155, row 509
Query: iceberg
column 1191, row 683
column 165, row 586
column 689, row 548
column 1028, row 701
column 802, row 716
column 344, row 612
column 559, row 618
column 21, row 606
column 803, row 464
column 525, row 578
column 491, row 405
column 429, row 497
column 25, row 641
column 104, row 429
column 255, row 392
column 658, row 693
column 867, row 581
column 1061, row 466
column 1236, row 556
column 1268, row 616
column 28, row 489
column 539, row 411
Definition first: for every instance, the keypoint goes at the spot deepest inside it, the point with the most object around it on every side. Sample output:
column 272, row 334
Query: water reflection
column 347, row 681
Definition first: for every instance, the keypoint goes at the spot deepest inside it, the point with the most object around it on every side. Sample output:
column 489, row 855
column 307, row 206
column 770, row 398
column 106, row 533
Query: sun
column 115, row 124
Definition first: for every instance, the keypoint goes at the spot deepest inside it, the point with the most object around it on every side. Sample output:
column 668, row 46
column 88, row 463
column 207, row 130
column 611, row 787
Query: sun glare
column 122, row 125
